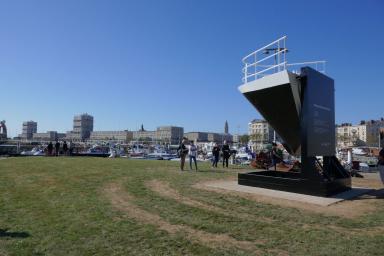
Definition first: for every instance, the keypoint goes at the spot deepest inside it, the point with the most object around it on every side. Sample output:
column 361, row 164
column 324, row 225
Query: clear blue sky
column 175, row 62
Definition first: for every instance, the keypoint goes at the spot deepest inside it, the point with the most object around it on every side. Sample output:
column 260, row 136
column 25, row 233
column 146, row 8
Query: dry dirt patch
column 123, row 201
column 371, row 180
column 165, row 190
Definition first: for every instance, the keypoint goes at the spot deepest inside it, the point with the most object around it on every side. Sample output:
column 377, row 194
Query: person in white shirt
column 192, row 152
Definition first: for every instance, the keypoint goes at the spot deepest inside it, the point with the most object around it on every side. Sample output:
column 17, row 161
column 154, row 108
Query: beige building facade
column 367, row 133
column 260, row 133
column 169, row 134
column 208, row 137
column 144, row 135
column 116, row 136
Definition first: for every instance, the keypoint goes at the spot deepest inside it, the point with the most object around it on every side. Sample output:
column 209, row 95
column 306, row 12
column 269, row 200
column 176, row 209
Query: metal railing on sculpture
column 271, row 59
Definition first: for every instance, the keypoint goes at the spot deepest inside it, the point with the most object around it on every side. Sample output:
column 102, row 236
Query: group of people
column 190, row 150
column 226, row 153
column 55, row 150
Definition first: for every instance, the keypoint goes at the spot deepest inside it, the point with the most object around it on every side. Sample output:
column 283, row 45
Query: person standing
column 226, row 153
column 215, row 154
column 183, row 151
column 57, row 148
column 380, row 164
column 71, row 147
column 192, row 155
column 50, row 148
column 275, row 155
column 65, row 148
column 233, row 154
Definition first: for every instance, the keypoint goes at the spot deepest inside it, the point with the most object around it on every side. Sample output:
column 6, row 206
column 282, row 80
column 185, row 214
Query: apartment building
column 82, row 128
column 28, row 129
column 366, row 133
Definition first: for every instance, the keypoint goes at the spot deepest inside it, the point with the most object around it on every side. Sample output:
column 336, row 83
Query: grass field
column 94, row 206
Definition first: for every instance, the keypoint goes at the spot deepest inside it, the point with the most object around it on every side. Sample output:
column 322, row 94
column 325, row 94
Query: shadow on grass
column 6, row 233
column 378, row 193
column 373, row 194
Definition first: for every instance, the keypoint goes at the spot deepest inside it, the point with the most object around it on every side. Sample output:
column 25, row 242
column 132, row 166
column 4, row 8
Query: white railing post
column 278, row 56
column 251, row 60
column 285, row 66
column 246, row 73
column 255, row 65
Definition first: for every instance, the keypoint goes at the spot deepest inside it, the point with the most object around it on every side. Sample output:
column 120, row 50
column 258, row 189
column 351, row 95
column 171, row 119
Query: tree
column 243, row 139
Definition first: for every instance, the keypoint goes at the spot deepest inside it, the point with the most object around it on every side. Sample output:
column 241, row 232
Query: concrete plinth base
column 317, row 200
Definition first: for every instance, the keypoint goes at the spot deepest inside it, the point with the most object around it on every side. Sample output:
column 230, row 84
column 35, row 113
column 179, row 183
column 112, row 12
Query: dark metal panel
column 318, row 113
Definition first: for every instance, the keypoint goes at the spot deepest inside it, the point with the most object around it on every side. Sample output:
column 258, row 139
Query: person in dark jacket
column 182, row 151
column 380, row 164
column 71, row 148
column 226, row 153
column 215, row 155
column 57, row 148
column 65, row 148
column 50, row 148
